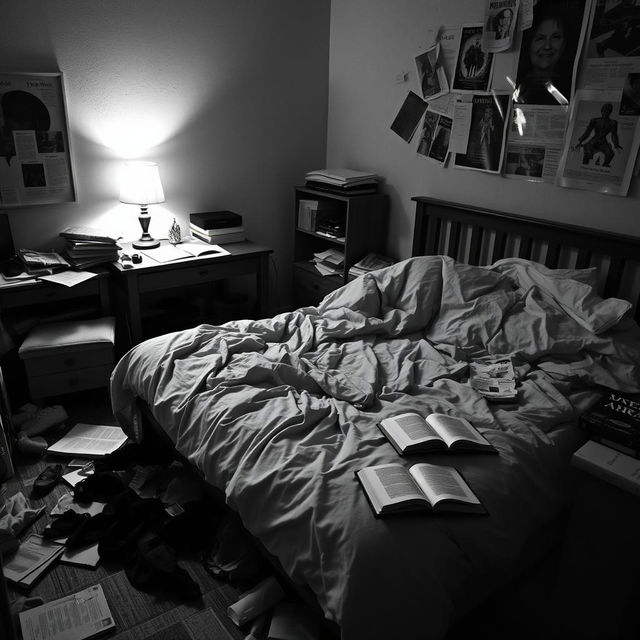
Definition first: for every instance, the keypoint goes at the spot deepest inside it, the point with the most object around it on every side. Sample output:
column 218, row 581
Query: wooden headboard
column 481, row 236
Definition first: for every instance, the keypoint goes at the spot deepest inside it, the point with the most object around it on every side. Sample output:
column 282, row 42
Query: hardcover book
column 437, row 433
column 215, row 220
column 393, row 488
column 614, row 421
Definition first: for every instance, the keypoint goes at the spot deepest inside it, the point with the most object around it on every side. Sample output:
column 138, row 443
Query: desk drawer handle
column 203, row 272
column 69, row 362
column 50, row 294
column 73, row 382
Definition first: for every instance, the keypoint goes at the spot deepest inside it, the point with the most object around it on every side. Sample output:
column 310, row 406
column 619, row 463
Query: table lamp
column 141, row 185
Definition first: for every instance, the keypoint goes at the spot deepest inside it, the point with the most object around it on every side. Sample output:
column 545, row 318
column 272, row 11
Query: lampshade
column 140, row 183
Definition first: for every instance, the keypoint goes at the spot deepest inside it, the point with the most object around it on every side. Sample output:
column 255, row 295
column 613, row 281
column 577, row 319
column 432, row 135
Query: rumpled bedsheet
column 279, row 413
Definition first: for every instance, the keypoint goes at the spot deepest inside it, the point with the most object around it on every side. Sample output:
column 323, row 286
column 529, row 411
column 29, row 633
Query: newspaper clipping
column 34, row 141
column 613, row 47
column 499, row 25
column 431, row 75
column 600, row 146
column 534, row 144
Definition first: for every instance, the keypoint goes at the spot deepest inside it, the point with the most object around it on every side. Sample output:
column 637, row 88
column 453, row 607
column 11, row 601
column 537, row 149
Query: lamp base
column 146, row 243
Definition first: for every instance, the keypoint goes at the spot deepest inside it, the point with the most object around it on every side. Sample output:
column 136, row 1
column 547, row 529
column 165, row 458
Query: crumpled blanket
column 280, row 412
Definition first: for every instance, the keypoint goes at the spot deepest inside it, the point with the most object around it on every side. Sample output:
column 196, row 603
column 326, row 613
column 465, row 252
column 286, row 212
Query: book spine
column 216, row 232
column 608, row 474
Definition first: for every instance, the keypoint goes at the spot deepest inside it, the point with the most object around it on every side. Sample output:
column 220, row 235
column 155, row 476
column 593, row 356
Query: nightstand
column 598, row 587
column 137, row 284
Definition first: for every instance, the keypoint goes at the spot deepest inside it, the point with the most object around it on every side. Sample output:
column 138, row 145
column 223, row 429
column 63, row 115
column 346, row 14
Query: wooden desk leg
column 262, row 284
column 134, row 313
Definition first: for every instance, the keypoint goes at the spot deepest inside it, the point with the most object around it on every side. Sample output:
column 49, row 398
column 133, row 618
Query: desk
column 149, row 276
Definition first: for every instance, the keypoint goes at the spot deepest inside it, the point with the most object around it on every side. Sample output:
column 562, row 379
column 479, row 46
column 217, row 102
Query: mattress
column 280, row 413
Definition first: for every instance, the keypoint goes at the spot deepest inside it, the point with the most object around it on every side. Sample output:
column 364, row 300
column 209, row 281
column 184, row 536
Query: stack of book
column 614, row 421
column 88, row 246
column 346, row 181
column 217, row 227
column 329, row 262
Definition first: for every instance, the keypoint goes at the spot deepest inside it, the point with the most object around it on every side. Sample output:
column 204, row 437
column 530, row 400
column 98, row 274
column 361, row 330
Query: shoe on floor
column 45, row 482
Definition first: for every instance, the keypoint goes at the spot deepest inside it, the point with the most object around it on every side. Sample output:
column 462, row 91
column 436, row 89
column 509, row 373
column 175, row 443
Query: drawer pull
column 69, row 362
column 203, row 272
column 73, row 382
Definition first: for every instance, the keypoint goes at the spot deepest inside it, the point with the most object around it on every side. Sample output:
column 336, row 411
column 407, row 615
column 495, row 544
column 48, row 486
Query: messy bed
column 279, row 414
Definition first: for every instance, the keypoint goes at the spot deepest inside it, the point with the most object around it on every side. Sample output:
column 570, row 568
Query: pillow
column 573, row 290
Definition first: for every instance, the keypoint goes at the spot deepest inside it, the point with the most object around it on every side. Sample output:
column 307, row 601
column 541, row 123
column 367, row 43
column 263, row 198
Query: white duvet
column 279, row 413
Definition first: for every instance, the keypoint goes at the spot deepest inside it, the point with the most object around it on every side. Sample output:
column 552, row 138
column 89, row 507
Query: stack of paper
column 344, row 180
column 494, row 378
column 329, row 262
column 32, row 559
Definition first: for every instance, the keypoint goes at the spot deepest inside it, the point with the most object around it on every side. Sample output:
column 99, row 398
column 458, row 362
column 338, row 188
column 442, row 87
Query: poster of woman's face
column 549, row 50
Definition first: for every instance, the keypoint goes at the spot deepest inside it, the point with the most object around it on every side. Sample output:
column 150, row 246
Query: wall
column 229, row 98
column 372, row 42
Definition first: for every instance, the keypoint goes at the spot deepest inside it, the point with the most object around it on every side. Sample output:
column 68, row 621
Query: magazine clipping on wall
column 535, row 142
column 432, row 78
column 550, row 52
column 435, row 134
column 601, row 144
column 487, row 133
column 474, row 67
column 612, row 51
column 34, row 141
column 500, row 23
column 408, row 117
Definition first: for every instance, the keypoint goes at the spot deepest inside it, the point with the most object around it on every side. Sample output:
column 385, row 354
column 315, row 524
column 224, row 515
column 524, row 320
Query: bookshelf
column 363, row 221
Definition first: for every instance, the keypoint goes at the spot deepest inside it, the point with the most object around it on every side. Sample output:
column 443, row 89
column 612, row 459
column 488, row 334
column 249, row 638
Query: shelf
column 323, row 236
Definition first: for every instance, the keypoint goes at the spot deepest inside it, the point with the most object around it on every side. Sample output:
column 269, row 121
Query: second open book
column 438, row 432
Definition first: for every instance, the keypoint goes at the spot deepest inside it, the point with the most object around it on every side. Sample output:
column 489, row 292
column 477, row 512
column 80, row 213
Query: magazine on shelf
column 393, row 488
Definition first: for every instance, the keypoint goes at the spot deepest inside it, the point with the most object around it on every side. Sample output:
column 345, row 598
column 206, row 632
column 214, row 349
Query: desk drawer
column 44, row 293
column 69, row 381
column 188, row 276
column 64, row 361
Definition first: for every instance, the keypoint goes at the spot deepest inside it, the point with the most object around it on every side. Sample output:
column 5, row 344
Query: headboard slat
column 495, row 235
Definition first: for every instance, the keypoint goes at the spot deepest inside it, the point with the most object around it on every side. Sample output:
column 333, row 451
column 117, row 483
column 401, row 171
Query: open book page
column 389, row 484
column 90, row 440
column 442, row 483
column 453, row 428
column 408, row 428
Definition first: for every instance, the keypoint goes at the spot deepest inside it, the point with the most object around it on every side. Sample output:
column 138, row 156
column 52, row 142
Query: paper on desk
column 166, row 253
column 69, row 278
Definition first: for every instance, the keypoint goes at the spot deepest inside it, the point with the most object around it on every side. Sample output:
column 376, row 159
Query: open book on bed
column 437, row 433
column 392, row 487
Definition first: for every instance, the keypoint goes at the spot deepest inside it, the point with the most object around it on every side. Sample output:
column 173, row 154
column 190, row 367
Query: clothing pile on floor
column 142, row 509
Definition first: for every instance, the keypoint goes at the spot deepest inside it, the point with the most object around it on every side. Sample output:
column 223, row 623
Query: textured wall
column 229, row 98
column 372, row 41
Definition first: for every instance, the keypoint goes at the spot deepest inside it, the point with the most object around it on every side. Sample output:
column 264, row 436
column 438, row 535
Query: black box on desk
column 215, row 220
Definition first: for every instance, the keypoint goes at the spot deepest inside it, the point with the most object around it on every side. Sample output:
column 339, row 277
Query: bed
column 279, row 413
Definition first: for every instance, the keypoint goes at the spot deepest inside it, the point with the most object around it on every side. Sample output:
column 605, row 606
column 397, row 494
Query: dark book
column 393, row 488
column 437, row 433
column 215, row 220
column 614, row 421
